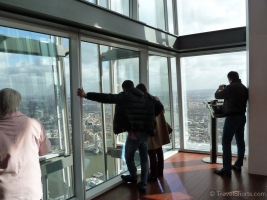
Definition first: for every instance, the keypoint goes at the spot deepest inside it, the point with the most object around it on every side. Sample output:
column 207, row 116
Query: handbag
column 169, row 128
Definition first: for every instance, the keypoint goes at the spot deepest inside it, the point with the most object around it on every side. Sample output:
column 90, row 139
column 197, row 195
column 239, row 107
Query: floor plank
column 187, row 177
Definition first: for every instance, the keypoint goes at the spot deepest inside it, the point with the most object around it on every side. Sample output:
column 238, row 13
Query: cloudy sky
column 209, row 71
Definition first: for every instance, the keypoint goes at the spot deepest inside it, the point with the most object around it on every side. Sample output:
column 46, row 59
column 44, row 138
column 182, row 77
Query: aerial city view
column 197, row 129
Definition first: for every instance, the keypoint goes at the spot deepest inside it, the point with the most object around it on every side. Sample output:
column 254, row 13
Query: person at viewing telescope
column 135, row 113
column 22, row 141
column 235, row 97
column 155, row 144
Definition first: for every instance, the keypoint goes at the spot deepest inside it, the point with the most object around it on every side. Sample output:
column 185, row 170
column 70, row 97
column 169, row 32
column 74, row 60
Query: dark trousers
column 156, row 162
column 233, row 126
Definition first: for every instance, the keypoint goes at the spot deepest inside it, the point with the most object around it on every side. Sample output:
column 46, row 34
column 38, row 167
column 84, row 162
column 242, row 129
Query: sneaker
column 222, row 172
column 236, row 168
column 141, row 189
column 128, row 178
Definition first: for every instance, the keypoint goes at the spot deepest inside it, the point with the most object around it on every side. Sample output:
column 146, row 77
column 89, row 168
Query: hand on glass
column 80, row 92
column 221, row 87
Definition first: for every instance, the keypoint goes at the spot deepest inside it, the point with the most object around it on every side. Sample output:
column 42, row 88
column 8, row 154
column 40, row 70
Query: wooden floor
column 187, row 177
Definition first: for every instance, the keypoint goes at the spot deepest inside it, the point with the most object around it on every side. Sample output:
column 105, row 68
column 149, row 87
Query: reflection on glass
column 196, row 16
column 126, row 69
column 176, row 129
column 116, row 66
column 91, row 1
column 107, row 88
column 159, row 84
column 125, row 66
column 60, row 184
column 92, row 117
column 120, row 6
column 151, row 12
column 201, row 76
column 103, row 3
column 36, row 65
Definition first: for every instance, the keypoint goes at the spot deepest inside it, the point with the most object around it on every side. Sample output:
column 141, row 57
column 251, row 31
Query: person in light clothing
column 22, row 141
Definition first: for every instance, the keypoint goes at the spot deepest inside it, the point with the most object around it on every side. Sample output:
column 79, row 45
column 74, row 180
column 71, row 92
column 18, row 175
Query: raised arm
column 101, row 97
column 222, row 93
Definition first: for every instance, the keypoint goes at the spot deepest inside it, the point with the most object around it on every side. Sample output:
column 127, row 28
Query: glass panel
column 34, row 64
column 125, row 66
column 120, row 6
column 60, row 184
column 125, row 69
column 103, row 3
column 108, row 114
column 92, row 117
column 151, row 12
column 170, row 16
column 196, row 16
column 201, row 76
column 116, row 65
column 91, row 1
column 65, row 43
column 176, row 129
column 159, row 84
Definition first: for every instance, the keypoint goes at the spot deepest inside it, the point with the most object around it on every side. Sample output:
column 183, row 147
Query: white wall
column 257, row 63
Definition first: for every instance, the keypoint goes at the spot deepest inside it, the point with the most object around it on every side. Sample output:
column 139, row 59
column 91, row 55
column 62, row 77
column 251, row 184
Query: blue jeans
column 131, row 145
column 233, row 126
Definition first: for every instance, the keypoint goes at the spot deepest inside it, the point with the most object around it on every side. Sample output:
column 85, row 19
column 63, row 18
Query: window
column 201, row 76
column 104, row 67
column 59, row 184
column 103, row 3
column 36, row 65
column 196, row 16
column 159, row 84
column 120, row 6
column 151, row 12
column 91, row 1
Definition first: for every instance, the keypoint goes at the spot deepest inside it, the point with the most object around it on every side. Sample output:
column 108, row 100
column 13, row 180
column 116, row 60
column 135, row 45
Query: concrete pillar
column 257, row 71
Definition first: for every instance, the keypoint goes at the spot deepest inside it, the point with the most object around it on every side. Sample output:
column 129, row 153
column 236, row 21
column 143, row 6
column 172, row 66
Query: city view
column 197, row 129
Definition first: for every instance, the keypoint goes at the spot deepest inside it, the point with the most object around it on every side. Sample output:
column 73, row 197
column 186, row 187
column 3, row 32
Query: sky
column 210, row 71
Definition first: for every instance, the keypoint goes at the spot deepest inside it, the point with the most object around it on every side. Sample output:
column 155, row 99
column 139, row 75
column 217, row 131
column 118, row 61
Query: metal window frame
column 134, row 12
column 171, row 101
column 175, row 17
column 166, row 15
column 78, row 146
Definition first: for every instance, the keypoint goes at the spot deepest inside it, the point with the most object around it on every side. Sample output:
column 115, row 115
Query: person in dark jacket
column 235, row 97
column 135, row 113
column 155, row 152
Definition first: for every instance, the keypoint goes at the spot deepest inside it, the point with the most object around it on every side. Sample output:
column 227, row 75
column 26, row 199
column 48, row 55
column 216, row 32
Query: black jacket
column 133, row 110
column 235, row 98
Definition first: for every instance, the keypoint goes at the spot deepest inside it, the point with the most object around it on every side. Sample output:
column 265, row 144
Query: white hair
column 9, row 101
